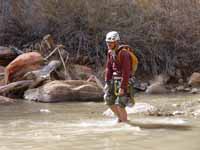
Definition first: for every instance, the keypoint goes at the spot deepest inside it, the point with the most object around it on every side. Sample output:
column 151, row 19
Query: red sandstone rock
column 21, row 65
column 82, row 72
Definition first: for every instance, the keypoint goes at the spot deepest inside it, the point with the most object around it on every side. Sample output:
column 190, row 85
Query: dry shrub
column 164, row 33
column 21, row 22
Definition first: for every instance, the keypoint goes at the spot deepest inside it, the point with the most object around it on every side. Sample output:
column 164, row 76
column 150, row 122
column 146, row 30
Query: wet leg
column 114, row 109
column 122, row 114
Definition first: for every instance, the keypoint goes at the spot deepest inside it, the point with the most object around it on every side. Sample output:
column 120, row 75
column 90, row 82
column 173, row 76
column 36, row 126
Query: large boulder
column 158, row 85
column 21, row 65
column 156, row 88
column 7, row 55
column 81, row 72
column 68, row 90
column 194, row 79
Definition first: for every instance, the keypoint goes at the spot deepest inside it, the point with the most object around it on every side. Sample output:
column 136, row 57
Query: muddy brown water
column 77, row 126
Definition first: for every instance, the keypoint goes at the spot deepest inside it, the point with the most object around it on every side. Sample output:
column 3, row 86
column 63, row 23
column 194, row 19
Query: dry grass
column 164, row 33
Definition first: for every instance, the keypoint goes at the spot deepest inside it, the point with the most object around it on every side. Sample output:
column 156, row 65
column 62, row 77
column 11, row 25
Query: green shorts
column 111, row 99
column 122, row 101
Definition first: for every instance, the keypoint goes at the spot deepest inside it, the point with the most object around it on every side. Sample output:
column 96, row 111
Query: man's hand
column 121, row 92
column 107, row 87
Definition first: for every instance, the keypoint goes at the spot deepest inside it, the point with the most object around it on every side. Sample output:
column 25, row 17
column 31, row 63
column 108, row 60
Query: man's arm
column 109, row 70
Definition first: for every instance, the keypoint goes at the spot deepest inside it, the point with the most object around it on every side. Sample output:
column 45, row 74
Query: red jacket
column 122, row 68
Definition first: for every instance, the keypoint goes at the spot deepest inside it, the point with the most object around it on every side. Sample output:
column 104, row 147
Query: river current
column 81, row 126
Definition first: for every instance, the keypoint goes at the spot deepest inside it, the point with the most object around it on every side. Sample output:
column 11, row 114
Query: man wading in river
column 120, row 68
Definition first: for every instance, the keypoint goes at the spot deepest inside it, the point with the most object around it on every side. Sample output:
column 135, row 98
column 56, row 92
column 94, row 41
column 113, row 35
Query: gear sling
column 134, row 64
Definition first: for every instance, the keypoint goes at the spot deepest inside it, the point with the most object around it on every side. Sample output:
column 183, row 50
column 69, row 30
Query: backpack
column 134, row 60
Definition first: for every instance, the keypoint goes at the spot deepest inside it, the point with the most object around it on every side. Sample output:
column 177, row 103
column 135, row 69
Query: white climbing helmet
column 112, row 36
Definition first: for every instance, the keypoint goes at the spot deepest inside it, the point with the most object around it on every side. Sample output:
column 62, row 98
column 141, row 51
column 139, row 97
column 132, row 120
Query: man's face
column 111, row 45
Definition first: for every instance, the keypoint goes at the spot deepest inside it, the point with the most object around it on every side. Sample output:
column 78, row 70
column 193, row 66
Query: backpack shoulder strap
column 123, row 47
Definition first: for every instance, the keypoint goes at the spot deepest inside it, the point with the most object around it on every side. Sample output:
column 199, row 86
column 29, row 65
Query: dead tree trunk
column 41, row 75
column 15, row 87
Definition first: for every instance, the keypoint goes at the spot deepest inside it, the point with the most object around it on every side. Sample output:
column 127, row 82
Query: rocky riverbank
column 57, row 77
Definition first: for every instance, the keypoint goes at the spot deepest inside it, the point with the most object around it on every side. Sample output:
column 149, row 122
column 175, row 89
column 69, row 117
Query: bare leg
column 122, row 114
column 115, row 111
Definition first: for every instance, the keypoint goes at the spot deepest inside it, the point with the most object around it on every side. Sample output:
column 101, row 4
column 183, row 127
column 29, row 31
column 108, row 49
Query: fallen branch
column 45, row 72
column 42, row 74
column 58, row 49
column 67, row 76
column 15, row 86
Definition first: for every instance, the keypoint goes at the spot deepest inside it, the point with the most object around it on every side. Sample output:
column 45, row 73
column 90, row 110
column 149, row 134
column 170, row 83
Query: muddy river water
column 77, row 126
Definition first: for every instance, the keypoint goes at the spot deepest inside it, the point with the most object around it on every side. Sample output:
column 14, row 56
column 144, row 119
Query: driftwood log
column 15, row 87
column 6, row 100
column 45, row 72
column 33, row 79
column 68, row 90
column 41, row 75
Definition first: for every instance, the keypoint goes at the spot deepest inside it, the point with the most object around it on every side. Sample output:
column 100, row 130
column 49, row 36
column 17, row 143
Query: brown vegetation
column 164, row 33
